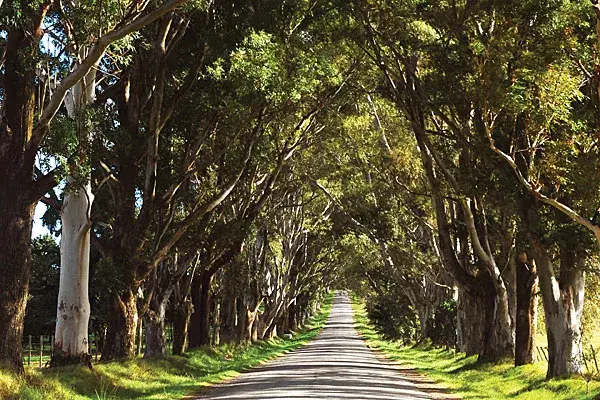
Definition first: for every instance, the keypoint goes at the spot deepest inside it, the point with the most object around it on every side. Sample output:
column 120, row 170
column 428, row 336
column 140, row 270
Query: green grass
column 473, row 380
column 171, row 377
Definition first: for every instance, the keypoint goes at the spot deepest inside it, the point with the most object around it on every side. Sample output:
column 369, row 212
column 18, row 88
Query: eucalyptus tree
column 537, row 119
column 160, row 287
column 378, row 192
column 28, row 107
column 71, row 332
column 409, row 58
column 488, row 73
column 161, row 166
column 524, row 91
column 283, row 268
column 254, row 94
column 294, row 259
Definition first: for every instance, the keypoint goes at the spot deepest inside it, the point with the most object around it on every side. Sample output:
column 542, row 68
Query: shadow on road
column 335, row 365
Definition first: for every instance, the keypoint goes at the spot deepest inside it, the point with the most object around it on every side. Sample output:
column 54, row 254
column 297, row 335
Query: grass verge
column 171, row 377
column 472, row 380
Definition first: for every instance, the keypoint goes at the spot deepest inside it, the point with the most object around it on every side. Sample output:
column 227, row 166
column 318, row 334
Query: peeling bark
column 73, row 312
column 563, row 308
column 122, row 324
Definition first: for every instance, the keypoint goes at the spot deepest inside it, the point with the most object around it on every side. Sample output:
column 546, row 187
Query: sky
column 38, row 228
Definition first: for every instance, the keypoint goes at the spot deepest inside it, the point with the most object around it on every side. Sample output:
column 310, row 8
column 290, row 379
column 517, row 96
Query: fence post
column 41, row 349
column 29, row 356
column 52, row 344
column 96, row 344
column 595, row 360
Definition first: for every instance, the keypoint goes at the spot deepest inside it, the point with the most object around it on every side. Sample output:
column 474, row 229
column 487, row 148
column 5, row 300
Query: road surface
column 335, row 365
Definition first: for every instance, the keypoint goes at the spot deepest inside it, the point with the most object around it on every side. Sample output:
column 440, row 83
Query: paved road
column 335, row 365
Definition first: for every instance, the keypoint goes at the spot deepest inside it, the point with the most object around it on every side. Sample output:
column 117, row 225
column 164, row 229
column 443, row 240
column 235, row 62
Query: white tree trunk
column 73, row 313
column 563, row 308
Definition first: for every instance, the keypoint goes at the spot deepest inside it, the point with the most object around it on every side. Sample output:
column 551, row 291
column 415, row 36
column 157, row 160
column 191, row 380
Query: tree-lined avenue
column 336, row 365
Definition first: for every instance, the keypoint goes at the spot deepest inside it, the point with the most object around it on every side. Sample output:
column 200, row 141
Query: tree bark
column 201, row 316
column 122, row 323
column 250, row 326
column 205, row 302
column 194, row 327
column 216, row 333
column 228, row 318
column 181, row 321
column 425, row 314
column 563, row 308
column 15, row 237
column 498, row 333
column 154, row 319
column 527, row 286
column 156, row 342
column 254, row 329
column 73, row 312
column 470, row 322
column 292, row 322
column 17, row 198
column 250, row 322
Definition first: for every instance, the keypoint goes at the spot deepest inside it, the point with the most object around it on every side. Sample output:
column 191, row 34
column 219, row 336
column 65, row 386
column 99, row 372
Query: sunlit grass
column 171, row 377
column 472, row 380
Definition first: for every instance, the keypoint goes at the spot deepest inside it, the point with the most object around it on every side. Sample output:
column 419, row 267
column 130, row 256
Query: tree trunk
column 250, row 322
column 73, row 312
column 282, row 322
column 200, row 324
column 249, row 326
column 156, row 342
column 122, row 323
column 254, row 327
column 526, row 318
column 270, row 318
column 229, row 321
column 181, row 321
column 205, row 301
column 469, row 324
column 498, row 334
column 563, row 308
column 194, row 327
column 425, row 314
column 15, row 238
column 242, row 318
column 216, row 336
column 292, row 320
column 18, row 194
column 491, row 311
column 154, row 319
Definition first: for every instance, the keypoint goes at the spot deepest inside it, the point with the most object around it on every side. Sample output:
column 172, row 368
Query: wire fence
column 37, row 350
column 590, row 358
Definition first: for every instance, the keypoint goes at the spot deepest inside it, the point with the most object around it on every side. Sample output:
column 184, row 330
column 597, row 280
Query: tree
column 22, row 135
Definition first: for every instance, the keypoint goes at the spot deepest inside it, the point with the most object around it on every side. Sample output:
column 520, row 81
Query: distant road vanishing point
column 335, row 365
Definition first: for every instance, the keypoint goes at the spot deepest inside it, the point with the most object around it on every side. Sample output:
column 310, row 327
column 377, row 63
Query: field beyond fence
column 37, row 350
